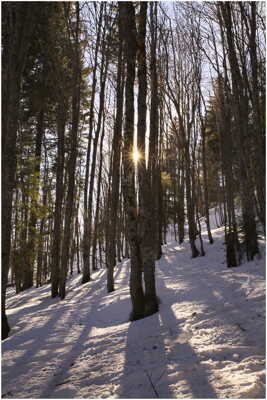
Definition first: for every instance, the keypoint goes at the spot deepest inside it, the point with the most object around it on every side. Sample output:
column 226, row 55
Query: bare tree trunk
column 96, row 230
column 205, row 181
column 147, row 214
column 88, row 228
column 116, row 159
column 34, row 200
column 128, row 31
column 86, row 247
column 56, row 241
column 72, row 158
column 181, row 214
column 190, row 205
column 153, row 164
column 42, row 226
column 241, row 119
column 18, row 24
column 249, row 16
column 77, row 231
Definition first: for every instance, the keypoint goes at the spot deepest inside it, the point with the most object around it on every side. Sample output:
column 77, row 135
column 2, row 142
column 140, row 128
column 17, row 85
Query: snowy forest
column 133, row 199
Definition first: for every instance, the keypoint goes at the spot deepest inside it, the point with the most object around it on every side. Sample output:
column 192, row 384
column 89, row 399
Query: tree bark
column 34, row 201
column 18, row 23
column 241, row 119
column 147, row 177
column 87, row 231
column 127, row 19
column 96, row 224
column 57, row 237
column 72, row 158
column 153, row 163
column 86, row 246
column 116, row 159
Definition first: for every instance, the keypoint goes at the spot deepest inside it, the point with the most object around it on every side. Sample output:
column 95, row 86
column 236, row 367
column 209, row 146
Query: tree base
column 5, row 327
column 134, row 316
column 195, row 252
column 231, row 255
column 85, row 279
column 151, row 306
column 110, row 289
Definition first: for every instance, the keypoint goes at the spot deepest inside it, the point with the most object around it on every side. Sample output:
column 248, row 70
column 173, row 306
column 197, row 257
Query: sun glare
column 136, row 156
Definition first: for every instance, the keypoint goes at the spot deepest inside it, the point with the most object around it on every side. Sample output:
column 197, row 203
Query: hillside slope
column 207, row 341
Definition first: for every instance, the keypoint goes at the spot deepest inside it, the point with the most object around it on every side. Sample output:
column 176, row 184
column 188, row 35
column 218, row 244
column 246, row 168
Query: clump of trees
column 119, row 120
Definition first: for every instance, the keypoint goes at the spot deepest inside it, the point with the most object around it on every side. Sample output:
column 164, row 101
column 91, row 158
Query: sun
column 136, row 156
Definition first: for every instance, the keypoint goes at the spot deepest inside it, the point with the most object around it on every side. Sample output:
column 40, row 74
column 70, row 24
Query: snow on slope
column 207, row 341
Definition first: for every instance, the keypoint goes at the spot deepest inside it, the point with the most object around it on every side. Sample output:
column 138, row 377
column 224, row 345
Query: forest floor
column 207, row 341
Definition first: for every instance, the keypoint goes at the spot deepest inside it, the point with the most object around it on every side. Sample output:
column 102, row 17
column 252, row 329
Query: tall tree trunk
column 72, row 158
column 56, row 240
column 153, row 163
column 128, row 31
column 86, row 245
column 116, row 159
column 147, row 177
column 241, row 119
column 96, row 224
column 18, row 24
column 88, row 238
column 205, row 181
column 181, row 214
column 34, row 200
column 190, row 205
column 249, row 16
column 77, row 232
column 40, row 246
column 224, row 129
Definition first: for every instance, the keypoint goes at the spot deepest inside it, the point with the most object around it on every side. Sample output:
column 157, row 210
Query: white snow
column 207, row 341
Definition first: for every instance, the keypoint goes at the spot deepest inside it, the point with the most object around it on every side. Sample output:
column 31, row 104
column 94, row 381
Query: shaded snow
column 207, row 341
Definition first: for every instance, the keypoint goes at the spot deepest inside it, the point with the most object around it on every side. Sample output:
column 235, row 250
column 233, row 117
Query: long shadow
column 34, row 344
column 85, row 350
column 29, row 346
column 216, row 305
column 16, row 300
column 158, row 354
column 94, row 372
column 210, row 293
column 67, row 362
column 107, row 314
column 145, row 367
column 182, row 359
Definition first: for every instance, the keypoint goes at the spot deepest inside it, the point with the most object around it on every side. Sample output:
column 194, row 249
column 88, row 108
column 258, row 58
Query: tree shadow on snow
column 220, row 298
column 159, row 360
column 184, row 365
column 57, row 338
column 145, row 365
column 80, row 367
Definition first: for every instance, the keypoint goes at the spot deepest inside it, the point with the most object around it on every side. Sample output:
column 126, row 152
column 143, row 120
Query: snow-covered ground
column 207, row 341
